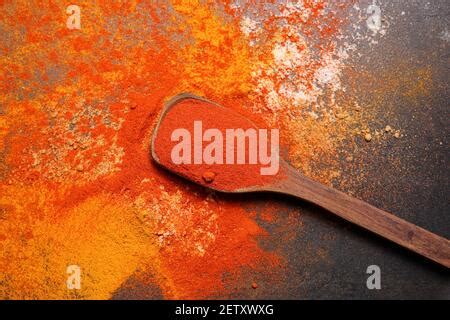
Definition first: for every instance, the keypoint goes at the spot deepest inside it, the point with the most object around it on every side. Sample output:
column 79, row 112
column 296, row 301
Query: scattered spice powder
column 99, row 115
column 77, row 110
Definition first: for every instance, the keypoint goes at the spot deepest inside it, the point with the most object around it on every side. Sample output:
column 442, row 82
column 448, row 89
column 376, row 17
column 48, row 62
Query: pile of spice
column 222, row 171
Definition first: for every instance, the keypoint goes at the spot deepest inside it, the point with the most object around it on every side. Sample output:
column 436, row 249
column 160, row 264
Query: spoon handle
column 363, row 214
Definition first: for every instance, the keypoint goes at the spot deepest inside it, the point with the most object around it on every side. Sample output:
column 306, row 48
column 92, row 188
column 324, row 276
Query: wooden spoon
column 295, row 184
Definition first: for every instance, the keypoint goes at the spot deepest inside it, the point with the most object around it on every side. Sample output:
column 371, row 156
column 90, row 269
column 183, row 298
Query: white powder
column 249, row 26
column 307, row 78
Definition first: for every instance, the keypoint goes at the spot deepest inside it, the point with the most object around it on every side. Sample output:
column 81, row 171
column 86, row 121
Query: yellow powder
column 101, row 236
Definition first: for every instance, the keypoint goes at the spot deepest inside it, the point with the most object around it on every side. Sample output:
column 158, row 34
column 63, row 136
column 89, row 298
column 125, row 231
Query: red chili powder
column 227, row 177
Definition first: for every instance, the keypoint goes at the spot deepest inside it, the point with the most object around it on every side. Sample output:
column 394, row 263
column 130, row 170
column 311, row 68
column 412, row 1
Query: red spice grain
column 209, row 176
